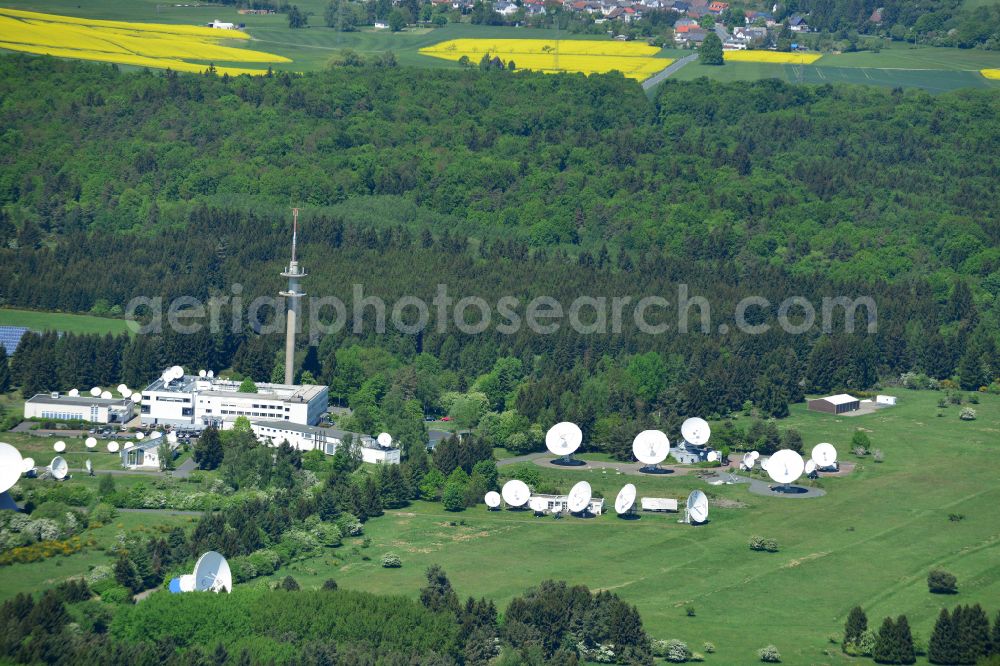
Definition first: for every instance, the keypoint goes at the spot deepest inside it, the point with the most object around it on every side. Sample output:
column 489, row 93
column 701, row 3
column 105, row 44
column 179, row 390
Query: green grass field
column 933, row 69
column 871, row 541
column 76, row 453
column 59, row 321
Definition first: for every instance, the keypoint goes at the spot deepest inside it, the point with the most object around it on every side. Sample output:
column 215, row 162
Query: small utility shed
column 835, row 404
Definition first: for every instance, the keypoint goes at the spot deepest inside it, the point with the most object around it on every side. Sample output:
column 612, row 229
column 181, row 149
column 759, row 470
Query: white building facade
column 560, row 504
column 200, row 402
column 327, row 440
column 82, row 408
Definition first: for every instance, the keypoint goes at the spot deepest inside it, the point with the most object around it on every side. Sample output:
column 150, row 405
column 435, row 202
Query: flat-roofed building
column 327, row 440
column 203, row 401
column 57, row 406
column 560, row 503
column 835, row 404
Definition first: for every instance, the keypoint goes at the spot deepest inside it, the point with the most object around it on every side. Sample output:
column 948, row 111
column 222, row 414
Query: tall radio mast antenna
column 294, row 273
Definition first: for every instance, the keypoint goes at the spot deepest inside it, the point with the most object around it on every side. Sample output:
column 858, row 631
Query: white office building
column 312, row 438
column 82, row 408
column 198, row 402
column 560, row 503
column 145, row 454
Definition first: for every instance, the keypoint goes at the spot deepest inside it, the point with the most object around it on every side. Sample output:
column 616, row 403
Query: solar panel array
column 10, row 337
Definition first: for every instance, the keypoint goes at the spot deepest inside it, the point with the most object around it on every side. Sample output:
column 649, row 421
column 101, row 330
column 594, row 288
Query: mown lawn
column 60, row 321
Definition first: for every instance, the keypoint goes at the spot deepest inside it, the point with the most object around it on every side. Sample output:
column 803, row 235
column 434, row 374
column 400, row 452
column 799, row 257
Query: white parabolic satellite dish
column 176, row 372
column 121, row 388
column 538, row 504
column 755, row 454
column 91, row 442
column 29, row 464
column 59, row 446
column 563, row 438
column 697, row 506
column 810, row 466
column 90, row 466
column 748, row 460
column 106, row 395
column 113, row 447
column 384, row 440
column 712, row 456
column 96, row 391
column 785, row 466
column 10, row 466
column 492, row 499
column 625, row 499
column 58, row 467
column 212, row 574
column 696, row 431
column 139, row 435
column 515, row 492
column 824, row 454
column 172, row 437
column 127, row 393
column 74, row 393
column 579, row 497
column 651, row 447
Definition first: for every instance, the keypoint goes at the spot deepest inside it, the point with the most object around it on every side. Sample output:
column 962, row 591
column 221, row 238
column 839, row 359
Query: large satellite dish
column 212, row 574
column 58, row 468
column 96, row 391
column 113, row 447
column 11, row 466
column 176, row 372
column 122, row 388
column 625, row 499
column 28, row 464
column 91, row 442
column 136, row 397
column 651, row 447
column 90, row 467
column 184, row 583
column 515, row 492
column 579, row 497
column 127, row 393
column 825, row 455
column 74, row 393
column 755, row 454
column 106, row 395
column 384, row 440
column 697, row 507
column 59, row 446
column 538, row 504
column 785, row 466
column 492, row 499
column 564, row 438
column 696, row 431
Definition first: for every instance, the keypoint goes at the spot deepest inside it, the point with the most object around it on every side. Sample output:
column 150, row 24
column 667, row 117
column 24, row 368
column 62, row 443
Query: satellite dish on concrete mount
column 651, row 447
column 563, row 439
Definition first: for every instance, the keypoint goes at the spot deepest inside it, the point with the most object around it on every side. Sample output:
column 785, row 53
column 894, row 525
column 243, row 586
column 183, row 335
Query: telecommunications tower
column 294, row 273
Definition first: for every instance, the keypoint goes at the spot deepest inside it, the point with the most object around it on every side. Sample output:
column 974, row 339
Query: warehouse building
column 835, row 404
column 191, row 401
column 78, row 408
column 312, row 438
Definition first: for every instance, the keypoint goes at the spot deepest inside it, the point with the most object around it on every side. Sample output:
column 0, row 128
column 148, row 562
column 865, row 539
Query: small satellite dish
column 212, row 574
column 755, row 454
column 74, row 393
column 810, row 466
column 89, row 466
column 625, row 499
column 58, row 468
column 210, row 374
column 651, row 447
column 785, row 466
column 579, row 497
column 183, row 583
column 492, row 499
column 96, row 391
column 59, row 446
column 136, row 397
column 697, row 507
column 140, row 435
column 127, row 446
column 172, row 437
column 127, row 393
column 202, row 373
column 156, row 434
column 384, row 440
column 113, row 447
column 106, row 395
column 28, row 464
column 122, row 388
column 10, row 466
column 538, row 504
column 564, row 438
column 696, row 431
column 748, row 461
column 712, row 456
column 515, row 492
column 825, row 455
column 176, row 372
column 91, row 442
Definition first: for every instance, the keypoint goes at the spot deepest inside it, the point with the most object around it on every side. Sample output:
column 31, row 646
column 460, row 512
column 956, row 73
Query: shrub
column 103, row 513
column 329, row 585
column 756, row 543
column 942, row 582
column 118, row 594
column 878, row 456
column 708, row 647
column 771, row 545
column 859, row 451
column 676, row 651
column 769, row 654
column 968, row 414
column 391, row 561
column 973, row 398
column 689, row 610
column 289, row 584
column 956, row 517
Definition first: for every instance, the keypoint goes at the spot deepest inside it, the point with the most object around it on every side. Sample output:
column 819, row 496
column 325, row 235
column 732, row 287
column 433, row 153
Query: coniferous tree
column 886, row 643
column 973, row 634
column 904, row 651
column 856, row 625
column 208, row 451
column 943, row 645
column 438, row 595
column 4, row 371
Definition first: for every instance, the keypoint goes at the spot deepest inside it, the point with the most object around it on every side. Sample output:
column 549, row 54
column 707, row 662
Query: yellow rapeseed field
column 772, row 56
column 990, row 73
column 143, row 44
column 633, row 59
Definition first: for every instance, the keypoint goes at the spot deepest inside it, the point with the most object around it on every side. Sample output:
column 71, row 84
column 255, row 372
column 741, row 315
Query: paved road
column 760, row 487
column 171, row 512
column 184, row 470
column 661, row 76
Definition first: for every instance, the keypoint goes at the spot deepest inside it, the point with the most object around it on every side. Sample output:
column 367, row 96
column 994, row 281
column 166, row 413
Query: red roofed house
column 716, row 7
